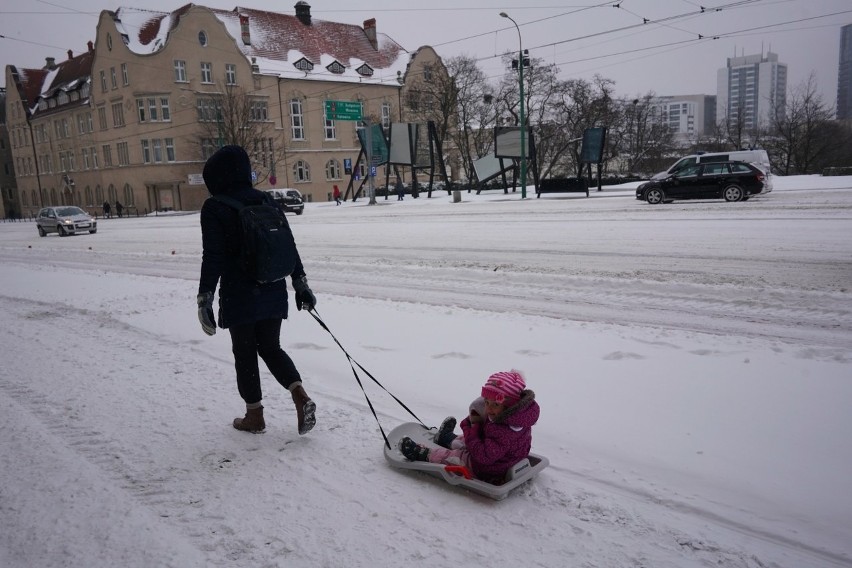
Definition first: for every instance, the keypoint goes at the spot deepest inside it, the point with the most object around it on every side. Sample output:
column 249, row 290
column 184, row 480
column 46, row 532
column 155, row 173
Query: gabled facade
column 135, row 117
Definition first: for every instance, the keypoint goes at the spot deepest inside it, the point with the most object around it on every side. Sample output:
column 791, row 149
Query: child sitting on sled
column 495, row 436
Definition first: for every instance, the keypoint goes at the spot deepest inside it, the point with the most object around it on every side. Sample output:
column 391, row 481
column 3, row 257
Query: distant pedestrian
column 400, row 189
column 118, row 208
column 107, row 210
column 336, row 194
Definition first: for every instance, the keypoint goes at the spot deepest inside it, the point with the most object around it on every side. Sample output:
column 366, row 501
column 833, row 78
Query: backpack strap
column 230, row 201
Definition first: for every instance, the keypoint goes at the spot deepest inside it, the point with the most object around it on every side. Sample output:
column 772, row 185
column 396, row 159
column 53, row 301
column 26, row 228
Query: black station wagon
column 731, row 181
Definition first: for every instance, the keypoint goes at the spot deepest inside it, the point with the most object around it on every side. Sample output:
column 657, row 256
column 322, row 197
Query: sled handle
column 453, row 474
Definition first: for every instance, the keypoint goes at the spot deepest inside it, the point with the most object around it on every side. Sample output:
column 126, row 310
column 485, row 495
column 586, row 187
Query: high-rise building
column 844, row 75
column 750, row 89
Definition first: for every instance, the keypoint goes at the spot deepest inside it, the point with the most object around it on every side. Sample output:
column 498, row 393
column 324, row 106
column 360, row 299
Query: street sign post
column 343, row 110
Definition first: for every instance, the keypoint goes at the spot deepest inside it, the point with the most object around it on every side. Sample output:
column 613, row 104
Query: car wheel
column 654, row 196
column 61, row 231
column 41, row 232
column 93, row 231
column 300, row 211
column 733, row 193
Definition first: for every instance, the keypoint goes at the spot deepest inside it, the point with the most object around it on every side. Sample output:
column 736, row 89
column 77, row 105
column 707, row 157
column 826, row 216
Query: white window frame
column 180, row 71
column 230, row 74
column 297, row 120
column 206, row 72
column 301, row 172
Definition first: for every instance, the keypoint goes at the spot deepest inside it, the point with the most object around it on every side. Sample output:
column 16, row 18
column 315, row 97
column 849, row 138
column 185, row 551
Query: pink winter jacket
column 496, row 446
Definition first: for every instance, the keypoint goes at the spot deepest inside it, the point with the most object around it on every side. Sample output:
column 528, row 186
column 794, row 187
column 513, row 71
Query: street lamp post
column 523, row 122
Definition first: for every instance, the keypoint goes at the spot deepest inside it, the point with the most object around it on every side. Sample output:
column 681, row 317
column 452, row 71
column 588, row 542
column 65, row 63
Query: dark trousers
column 260, row 338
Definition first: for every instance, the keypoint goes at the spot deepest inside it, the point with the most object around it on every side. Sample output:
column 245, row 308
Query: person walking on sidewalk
column 250, row 311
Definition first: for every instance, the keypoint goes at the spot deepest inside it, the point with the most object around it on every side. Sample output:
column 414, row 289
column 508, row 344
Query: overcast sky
column 664, row 55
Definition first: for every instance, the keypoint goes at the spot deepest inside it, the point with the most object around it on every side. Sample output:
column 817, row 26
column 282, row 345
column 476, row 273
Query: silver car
column 65, row 220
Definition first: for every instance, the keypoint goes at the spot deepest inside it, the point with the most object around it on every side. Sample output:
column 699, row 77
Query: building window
column 117, row 115
column 128, row 195
column 258, row 111
column 170, row 149
column 113, row 77
column 180, row 71
column 206, row 72
column 208, row 148
column 104, row 87
column 123, row 154
column 125, row 78
column 102, row 118
column 202, row 38
column 209, row 109
column 107, row 152
column 86, row 163
column 332, row 170
column 414, row 100
column 165, row 111
column 301, row 172
column 386, row 116
column 94, row 151
column 146, row 152
column 152, row 109
column 427, row 73
column 140, row 106
column 297, row 120
column 230, row 74
column 330, row 130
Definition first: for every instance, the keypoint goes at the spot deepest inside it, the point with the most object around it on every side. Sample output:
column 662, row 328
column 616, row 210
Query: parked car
column 757, row 158
column 290, row 199
column 733, row 181
column 65, row 220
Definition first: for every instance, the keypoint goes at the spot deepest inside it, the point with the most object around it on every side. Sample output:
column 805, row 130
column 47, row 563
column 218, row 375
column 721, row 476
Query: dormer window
column 303, row 65
column 63, row 97
column 336, row 67
column 365, row 70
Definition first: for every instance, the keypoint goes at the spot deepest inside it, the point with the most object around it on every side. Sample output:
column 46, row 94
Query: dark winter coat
column 496, row 446
column 241, row 299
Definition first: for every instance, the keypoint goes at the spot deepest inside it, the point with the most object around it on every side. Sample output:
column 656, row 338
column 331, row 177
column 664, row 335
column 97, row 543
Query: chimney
column 70, row 54
column 303, row 12
column 50, row 63
column 91, row 46
column 370, row 30
column 244, row 30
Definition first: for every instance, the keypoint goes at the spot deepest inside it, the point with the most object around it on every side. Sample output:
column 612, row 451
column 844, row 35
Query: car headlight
column 67, row 222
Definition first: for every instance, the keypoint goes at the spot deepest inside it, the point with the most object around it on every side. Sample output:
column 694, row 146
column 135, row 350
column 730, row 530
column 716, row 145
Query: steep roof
column 69, row 75
column 278, row 41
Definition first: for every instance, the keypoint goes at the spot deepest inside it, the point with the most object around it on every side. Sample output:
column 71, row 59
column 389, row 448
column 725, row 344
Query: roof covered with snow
column 277, row 42
column 69, row 75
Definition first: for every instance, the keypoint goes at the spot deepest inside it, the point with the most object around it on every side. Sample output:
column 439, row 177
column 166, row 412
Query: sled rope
column 352, row 364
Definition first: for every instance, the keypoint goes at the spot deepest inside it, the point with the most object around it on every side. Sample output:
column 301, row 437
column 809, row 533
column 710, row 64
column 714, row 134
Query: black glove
column 304, row 297
column 205, row 313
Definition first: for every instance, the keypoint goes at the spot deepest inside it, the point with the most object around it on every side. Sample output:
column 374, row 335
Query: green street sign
column 343, row 110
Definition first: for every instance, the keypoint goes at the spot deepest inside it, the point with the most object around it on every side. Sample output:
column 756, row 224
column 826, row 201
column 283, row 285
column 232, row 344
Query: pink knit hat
column 504, row 387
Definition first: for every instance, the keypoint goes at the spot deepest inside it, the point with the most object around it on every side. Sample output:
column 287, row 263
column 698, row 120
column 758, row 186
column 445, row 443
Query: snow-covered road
column 693, row 363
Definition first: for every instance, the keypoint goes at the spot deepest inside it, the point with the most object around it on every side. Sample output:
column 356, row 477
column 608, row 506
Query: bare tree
column 799, row 130
column 640, row 135
column 234, row 116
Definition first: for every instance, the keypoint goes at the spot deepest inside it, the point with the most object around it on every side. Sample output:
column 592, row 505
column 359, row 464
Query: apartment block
column 750, row 89
column 688, row 117
column 134, row 117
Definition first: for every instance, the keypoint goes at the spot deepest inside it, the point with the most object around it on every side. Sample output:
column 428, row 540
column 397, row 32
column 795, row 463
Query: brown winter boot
column 305, row 408
column 253, row 421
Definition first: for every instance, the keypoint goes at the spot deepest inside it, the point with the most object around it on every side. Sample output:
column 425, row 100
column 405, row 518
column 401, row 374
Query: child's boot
column 444, row 437
column 413, row 451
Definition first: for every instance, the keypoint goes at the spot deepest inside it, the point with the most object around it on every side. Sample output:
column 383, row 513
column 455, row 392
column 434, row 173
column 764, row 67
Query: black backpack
column 268, row 251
